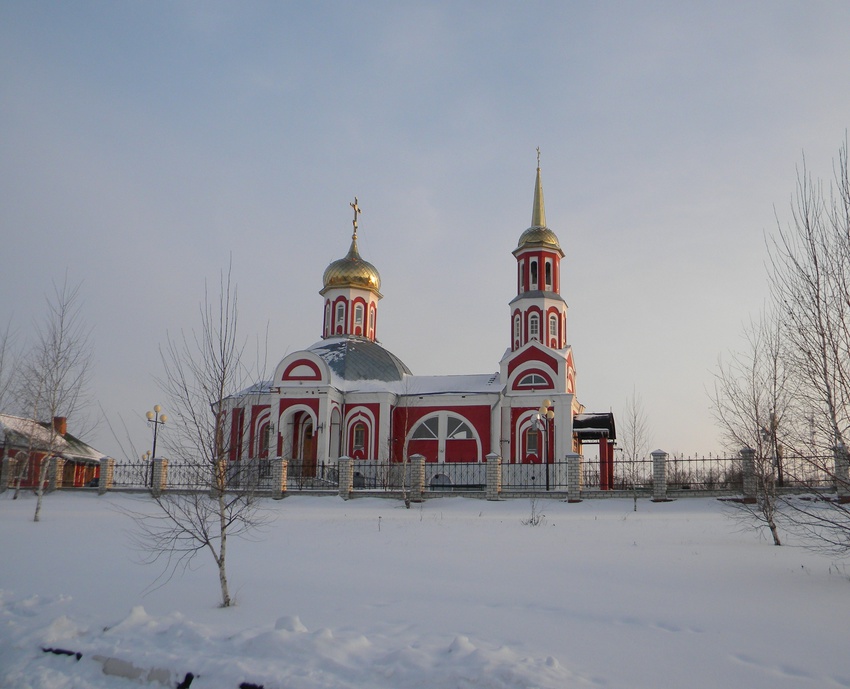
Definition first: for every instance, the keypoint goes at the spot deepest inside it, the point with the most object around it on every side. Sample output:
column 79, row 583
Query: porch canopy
column 590, row 427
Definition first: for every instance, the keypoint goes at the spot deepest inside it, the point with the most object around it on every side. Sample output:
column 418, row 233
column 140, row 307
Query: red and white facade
column 348, row 396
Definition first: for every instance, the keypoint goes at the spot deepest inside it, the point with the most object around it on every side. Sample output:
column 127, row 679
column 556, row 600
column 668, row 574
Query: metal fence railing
column 396, row 476
column 534, row 477
column 705, row 473
column 692, row 474
column 131, row 474
column 626, row 475
column 455, row 476
column 807, row 472
column 323, row 476
column 373, row 475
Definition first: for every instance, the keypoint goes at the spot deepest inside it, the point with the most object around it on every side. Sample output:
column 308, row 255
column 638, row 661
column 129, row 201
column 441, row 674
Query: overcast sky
column 144, row 143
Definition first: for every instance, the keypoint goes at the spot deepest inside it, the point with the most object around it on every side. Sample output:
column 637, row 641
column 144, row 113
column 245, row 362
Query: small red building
column 348, row 396
column 26, row 443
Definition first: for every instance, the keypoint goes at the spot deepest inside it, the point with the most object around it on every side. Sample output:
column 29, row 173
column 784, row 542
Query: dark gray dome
column 356, row 358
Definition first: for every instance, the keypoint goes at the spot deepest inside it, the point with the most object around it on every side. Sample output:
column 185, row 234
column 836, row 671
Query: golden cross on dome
column 538, row 156
column 357, row 212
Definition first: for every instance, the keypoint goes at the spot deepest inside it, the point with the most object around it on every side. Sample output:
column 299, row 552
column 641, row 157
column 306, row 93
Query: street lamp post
column 157, row 419
column 545, row 416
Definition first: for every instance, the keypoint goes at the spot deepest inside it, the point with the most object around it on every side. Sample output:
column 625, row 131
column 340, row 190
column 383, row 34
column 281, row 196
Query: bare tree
column 810, row 283
column 53, row 380
column 7, row 364
column 752, row 403
column 201, row 369
column 634, row 436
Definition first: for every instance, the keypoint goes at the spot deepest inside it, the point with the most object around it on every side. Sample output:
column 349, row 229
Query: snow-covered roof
column 22, row 433
column 425, row 385
column 435, row 385
column 595, row 425
column 359, row 365
column 260, row 388
column 359, row 359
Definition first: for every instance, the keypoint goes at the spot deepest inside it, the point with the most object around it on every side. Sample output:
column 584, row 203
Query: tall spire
column 538, row 213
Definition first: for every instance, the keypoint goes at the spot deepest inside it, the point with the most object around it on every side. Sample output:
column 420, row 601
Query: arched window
column 265, row 441
column 533, row 380
column 358, row 314
column 340, row 317
column 533, row 281
column 531, row 442
column 533, row 327
column 427, row 430
column 548, row 274
column 371, row 322
column 445, row 437
column 517, row 329
column 327, row 318
column 553, row 327
column 522, row 276
column 457, row 429
column 359, row 436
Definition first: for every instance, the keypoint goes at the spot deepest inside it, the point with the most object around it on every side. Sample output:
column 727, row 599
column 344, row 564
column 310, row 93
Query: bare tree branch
column 201, row 369
column 53, row 380
column 634, row 438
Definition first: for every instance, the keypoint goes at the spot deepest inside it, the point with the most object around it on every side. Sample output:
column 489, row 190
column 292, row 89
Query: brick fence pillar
column 107, row 471
column 346, row 477
column 748, row 462
column 573, row 477
column 494, row 476
column 279, row 476
column 659, row 475
column 417, row 477
column 54, row 474
column 160, row 476
column 842, row 471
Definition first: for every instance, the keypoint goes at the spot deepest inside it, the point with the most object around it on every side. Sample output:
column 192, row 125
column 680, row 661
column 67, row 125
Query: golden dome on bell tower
column 352, row 270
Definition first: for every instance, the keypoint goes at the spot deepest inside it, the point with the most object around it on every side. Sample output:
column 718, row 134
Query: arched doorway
column 299, row 443
column 336, row 432
column 307, row 448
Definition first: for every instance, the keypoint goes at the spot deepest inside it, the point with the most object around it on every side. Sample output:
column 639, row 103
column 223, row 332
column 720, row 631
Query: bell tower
column 538, row 312
column 351, row 290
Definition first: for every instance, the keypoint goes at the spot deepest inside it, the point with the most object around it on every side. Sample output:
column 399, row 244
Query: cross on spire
column 357, row 212
column 538, row 157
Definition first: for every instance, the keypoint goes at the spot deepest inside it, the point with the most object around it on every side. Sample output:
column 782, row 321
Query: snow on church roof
column 413, row 386
column 436, row 385
column 356, row 358
column 357, row 364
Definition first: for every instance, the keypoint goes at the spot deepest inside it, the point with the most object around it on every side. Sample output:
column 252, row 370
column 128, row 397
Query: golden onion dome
column 352, row 271
column 538, row 237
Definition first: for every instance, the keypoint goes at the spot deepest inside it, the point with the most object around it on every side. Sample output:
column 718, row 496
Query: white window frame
column 359, row 429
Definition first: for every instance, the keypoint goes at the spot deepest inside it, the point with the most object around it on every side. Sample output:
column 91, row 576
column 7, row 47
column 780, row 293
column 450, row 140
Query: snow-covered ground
column 455, row 593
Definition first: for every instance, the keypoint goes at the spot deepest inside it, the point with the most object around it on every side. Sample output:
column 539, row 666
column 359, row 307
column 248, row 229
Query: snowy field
column 455, row 593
